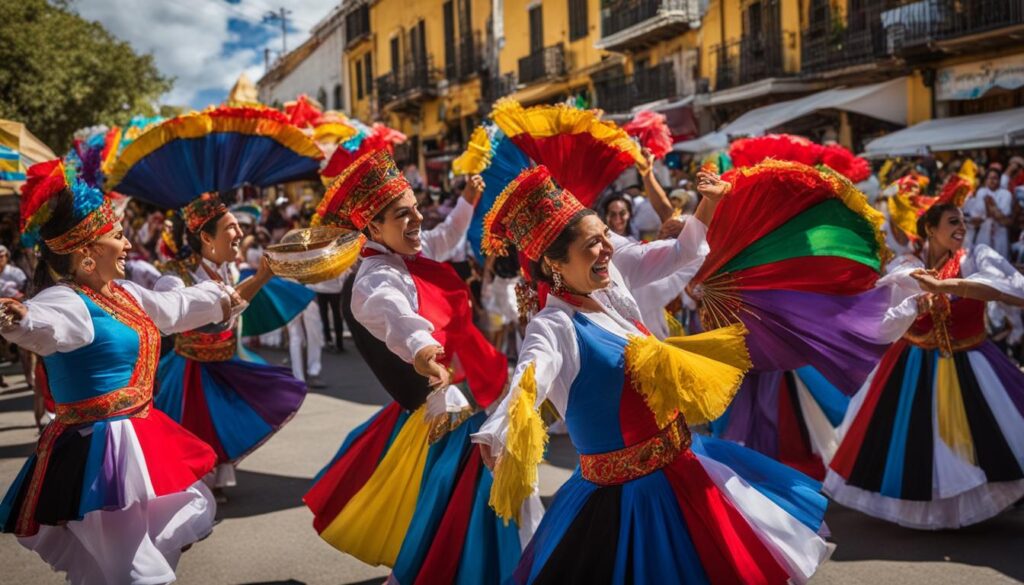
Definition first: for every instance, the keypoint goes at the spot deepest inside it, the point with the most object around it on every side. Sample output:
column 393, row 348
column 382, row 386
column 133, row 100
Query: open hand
column 711, row 186
column 928, row 282
column 474, row 188
column 426, row 364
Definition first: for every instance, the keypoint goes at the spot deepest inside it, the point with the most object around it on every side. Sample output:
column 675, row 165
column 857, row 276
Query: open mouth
column 413, row 235
column 121, row 261
column 958, row 236
column 600, row 270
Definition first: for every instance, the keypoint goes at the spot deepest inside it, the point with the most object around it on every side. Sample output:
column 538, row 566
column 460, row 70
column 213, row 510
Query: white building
column 316, row 68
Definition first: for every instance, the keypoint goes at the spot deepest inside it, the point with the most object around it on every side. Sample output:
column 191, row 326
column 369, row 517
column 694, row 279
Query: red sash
column 955, row 324
column 443, row 299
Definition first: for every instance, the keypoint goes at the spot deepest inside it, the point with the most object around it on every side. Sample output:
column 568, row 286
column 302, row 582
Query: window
column 359, row 80
column 337, row 98
column 536, row 29
column 396, row 55
column 450, row 69
column 578, row 25
column 357, row 24
column 368, row 71
column 321, row 97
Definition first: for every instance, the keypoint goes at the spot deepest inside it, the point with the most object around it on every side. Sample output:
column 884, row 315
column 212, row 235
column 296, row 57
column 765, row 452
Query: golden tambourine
column 316, row 254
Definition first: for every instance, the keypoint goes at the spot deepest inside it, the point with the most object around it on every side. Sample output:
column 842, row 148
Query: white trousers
column 306, row 330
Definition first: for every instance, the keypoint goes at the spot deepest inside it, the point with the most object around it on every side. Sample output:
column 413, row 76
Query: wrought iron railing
column 548, row 63
column 918, row 23
column 412, row 78
column 618, row 15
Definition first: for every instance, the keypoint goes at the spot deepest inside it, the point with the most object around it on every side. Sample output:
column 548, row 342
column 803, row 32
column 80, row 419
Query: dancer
column 408, row 489
column 933, row 440
column 229, row 398
column 649, row 502
column 114, row 491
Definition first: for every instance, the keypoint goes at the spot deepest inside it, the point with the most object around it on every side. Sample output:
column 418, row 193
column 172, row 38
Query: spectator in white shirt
column 989, row 213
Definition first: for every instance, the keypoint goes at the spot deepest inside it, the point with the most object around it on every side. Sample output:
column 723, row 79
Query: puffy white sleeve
column 985, row 265
column 168, row 282
column 181, row 309
column 57, row 321
column 439, row 243
column 550, row 348
column 642, row 264
column 380, row 306
column 903, row 294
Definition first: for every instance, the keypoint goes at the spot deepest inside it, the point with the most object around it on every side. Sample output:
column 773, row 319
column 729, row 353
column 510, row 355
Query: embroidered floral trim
column 636, row 461
column 94, row 225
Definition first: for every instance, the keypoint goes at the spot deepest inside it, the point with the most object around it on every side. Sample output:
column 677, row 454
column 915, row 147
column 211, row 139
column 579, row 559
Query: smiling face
column 110, row 252
column 950, row 231
column 992, row 180
column 586, row 268
column 225, row 242
column 398, row 226
column 617, row 217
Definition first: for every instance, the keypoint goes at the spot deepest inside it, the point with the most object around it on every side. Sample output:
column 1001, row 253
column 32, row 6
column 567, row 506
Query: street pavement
column 265, row 533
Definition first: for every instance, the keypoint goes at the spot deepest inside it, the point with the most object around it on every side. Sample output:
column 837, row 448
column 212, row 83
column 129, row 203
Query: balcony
column 618, row 92
column 761, row 57
column 916, row 30
column 821, row 50
column 635, row 24
column 726, row 68
column 403, row 90
column 498, row 86
column 548, row 63
column 470, row 57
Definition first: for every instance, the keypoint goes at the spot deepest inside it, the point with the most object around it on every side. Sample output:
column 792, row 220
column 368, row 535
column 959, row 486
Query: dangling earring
column 88, row 265
column 556, row 276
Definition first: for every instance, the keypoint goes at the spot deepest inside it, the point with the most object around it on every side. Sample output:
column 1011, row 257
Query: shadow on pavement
column 345, row 375
column 262, row 493
column 288, row 582
column 19, row 451
column 860, row 538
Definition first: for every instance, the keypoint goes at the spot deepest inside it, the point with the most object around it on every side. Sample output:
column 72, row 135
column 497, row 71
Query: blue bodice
column 104, row 365
column 604, row 413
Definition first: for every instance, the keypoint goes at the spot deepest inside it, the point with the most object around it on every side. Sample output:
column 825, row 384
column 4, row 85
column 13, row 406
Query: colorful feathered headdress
column 530, row 213
column 748, row 152
column 908, row 204
column 94, row 214
column 361, row 191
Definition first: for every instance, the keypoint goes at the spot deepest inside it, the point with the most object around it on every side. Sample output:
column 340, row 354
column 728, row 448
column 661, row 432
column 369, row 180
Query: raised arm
column 642, row 264
column 440, row 242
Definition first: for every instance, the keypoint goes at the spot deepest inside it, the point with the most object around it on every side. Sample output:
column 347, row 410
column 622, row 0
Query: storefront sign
column 972, row 80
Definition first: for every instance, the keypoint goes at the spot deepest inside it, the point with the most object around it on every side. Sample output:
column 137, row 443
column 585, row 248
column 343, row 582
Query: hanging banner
column 972, row 80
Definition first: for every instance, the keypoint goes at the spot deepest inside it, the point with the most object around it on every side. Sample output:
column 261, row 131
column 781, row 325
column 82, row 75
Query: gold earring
column 88, row 265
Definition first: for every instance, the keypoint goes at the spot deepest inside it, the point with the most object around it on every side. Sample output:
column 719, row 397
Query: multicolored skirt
column 233, row 405
column 788, row 416
column 933, row 442
column 133, row 484
column 718, row 513
column 274, row 306
column 390, row 498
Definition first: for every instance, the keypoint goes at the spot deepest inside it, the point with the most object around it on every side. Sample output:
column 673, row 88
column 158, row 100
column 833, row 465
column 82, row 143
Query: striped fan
column 795, row 254
column 585, row 154
column 218, row 149
column 498, row 160
column 366, row 139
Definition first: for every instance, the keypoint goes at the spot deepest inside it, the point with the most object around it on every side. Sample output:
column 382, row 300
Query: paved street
column 265, row 533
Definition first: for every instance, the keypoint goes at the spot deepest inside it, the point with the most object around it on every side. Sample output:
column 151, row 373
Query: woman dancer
column 231, row 400
column 114, row 491
column 407, row 489
column 934, row 438
column 649, row 503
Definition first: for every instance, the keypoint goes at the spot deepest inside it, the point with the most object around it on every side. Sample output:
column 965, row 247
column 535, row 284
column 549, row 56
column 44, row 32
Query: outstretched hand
column 711, row 186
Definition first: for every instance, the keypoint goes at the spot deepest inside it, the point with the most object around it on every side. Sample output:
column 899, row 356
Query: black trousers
column 332, row 301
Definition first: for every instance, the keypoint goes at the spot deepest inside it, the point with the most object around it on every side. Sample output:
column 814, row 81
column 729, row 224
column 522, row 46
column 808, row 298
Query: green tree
column 60, row 72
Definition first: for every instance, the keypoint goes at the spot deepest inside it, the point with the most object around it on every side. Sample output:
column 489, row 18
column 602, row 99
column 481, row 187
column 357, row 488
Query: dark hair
column 210, row 227
column 932, row 217
column 612, row 199
column 559, row 249
column 992, row 170
column 62, row 219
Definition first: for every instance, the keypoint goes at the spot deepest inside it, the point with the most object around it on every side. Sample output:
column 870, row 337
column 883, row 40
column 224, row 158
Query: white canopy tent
column 886, row 101
column 995, row 129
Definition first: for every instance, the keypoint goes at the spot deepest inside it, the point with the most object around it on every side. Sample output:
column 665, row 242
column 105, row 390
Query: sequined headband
column 97, row 223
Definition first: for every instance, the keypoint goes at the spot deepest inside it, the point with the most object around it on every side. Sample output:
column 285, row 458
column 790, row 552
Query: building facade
column 316, row 68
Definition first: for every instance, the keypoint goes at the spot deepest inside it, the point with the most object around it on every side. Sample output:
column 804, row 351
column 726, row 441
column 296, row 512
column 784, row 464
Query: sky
column 204, row 44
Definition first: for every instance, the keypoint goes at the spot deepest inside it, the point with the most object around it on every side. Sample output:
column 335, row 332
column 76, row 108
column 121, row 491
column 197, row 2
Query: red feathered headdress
column 361, row 191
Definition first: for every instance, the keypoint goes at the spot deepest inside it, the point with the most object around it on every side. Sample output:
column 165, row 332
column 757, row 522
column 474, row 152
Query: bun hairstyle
column 50, row 264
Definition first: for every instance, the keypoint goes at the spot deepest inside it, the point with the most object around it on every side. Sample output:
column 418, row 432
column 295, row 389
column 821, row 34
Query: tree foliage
column 60, row 72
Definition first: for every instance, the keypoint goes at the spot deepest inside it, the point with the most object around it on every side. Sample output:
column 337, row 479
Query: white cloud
column 187, row 38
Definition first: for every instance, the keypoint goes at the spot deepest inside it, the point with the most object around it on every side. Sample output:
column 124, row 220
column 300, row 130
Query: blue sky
column 204, row 44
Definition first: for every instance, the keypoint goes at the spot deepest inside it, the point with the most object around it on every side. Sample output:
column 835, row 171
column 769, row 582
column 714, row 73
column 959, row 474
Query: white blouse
column 58, row 319
column 550, row 341
column 227, row 272
column 384, row 297
column 980, row 264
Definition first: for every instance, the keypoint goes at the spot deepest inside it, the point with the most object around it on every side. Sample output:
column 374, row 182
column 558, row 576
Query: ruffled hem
column 140, row 544
column 970, row 507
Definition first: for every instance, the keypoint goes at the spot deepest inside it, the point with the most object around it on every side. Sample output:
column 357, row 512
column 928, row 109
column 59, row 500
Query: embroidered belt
column 636, row 461
column 931, row 340
column 206, row 347
column 131, row 401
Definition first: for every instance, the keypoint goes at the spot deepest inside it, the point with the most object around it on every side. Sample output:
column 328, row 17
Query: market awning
column 885, row 101
column 992, row 130
column 773, row 85
column 19, row 149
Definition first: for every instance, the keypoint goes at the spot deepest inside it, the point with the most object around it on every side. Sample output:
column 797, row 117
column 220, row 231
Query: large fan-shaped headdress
column 750, row 151
column 216, row 150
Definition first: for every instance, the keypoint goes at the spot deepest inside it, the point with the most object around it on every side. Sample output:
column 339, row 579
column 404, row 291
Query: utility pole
column 282, row 16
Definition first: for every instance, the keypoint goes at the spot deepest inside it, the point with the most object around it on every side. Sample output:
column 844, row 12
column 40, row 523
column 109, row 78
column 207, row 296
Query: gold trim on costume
column 636, row 461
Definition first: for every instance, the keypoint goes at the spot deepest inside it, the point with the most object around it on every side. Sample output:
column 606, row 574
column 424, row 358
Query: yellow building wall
column 722, row 16
column 791, row 23
column 919, row 99
column 580, row 55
